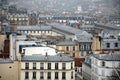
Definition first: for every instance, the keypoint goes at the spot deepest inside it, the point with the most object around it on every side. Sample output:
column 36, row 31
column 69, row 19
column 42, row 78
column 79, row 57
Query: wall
column 96, row 45
column 2, row 38
column 68, row 71
column 8, row 73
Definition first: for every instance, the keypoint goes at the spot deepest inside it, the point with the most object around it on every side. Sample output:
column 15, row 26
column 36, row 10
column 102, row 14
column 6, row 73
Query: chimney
column 46, row 55
column 60, row 57
column 23, row 51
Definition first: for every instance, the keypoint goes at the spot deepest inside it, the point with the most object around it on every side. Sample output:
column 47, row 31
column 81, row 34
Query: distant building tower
column 33, row 19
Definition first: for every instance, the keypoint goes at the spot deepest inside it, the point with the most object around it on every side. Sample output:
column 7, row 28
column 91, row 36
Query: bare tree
column 115, row 75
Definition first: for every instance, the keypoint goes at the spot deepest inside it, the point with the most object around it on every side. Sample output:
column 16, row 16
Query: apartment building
column 18, row 19
column 106, row 66
column 68, row 47
column 9, row 70
column 86, row 68
column 38, row 62
column 40, row 67
column 102, row 67
column 106, row 41
column 88, row 28
column 85, row 43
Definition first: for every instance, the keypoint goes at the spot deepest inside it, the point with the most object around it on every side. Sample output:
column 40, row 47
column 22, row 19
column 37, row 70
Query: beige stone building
column 9, row 70
column 96, row 48
column 2, row 38
column 18, row 19
column 22, row 65
column 70, row 48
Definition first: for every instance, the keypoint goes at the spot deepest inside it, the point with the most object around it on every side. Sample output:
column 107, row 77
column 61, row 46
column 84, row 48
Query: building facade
column 41, row 63
column 85, row 43
column 70, row 48
column 86, row 68
column 103, row 66
column 47, row 67
column 106, row 42
column 37, row 30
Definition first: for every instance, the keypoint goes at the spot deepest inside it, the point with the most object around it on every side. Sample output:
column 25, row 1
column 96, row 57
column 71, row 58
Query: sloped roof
column 66, row 28
column 5, row 60
column 84, row 37
column 41, row 58
column 108, row 57
column 66, row 43
column 34, row 28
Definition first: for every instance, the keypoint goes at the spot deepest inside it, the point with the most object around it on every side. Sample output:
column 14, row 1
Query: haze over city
column 60, row 6
column 59, row 39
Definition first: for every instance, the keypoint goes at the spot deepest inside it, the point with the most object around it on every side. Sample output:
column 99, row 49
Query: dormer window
column 108, row 45
column 116, row 44
column 103, row 63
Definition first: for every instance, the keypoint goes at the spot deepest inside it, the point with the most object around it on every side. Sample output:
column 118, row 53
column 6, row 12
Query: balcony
column 63, row 68
column 41, row 68
column 26, row 67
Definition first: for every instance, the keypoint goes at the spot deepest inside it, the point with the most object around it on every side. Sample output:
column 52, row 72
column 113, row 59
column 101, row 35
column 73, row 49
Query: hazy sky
column 64, row 5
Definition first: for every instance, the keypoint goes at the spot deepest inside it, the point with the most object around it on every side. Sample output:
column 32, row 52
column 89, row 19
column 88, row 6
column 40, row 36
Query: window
column 85, row 47
column 116, row 44
column 63, row 66
column 108, row 45
column 63, row 75
column 26, row 75
column 79, row 47
column 73, row 48
column 41, row 66
column 48, row 31
column 67, row 48
column 49, row 65
column 73, row 54
column 56, row 65
column 41, row 75
column 71, row 65
column 103, row 63
column 90, row 47
column 34, row 75
column 82, row 54
column 34, row 65
column 56, row 75
column 71, row 75
column 49, row 75
column 82, row 47
column 26, row 65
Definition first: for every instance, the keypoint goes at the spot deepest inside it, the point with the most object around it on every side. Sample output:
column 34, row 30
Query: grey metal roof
column 84, row 37
column 5, row 60
column 66, row 28
column 108, row 26
column 66, row 43
column 87, row 26
column 34, row 28
column 108, row 57
column 42, row 58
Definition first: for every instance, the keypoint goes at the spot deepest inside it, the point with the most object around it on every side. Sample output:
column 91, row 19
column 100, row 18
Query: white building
column 86, row 68
column 45, row 67
column 104, row 65
column 39, row 62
